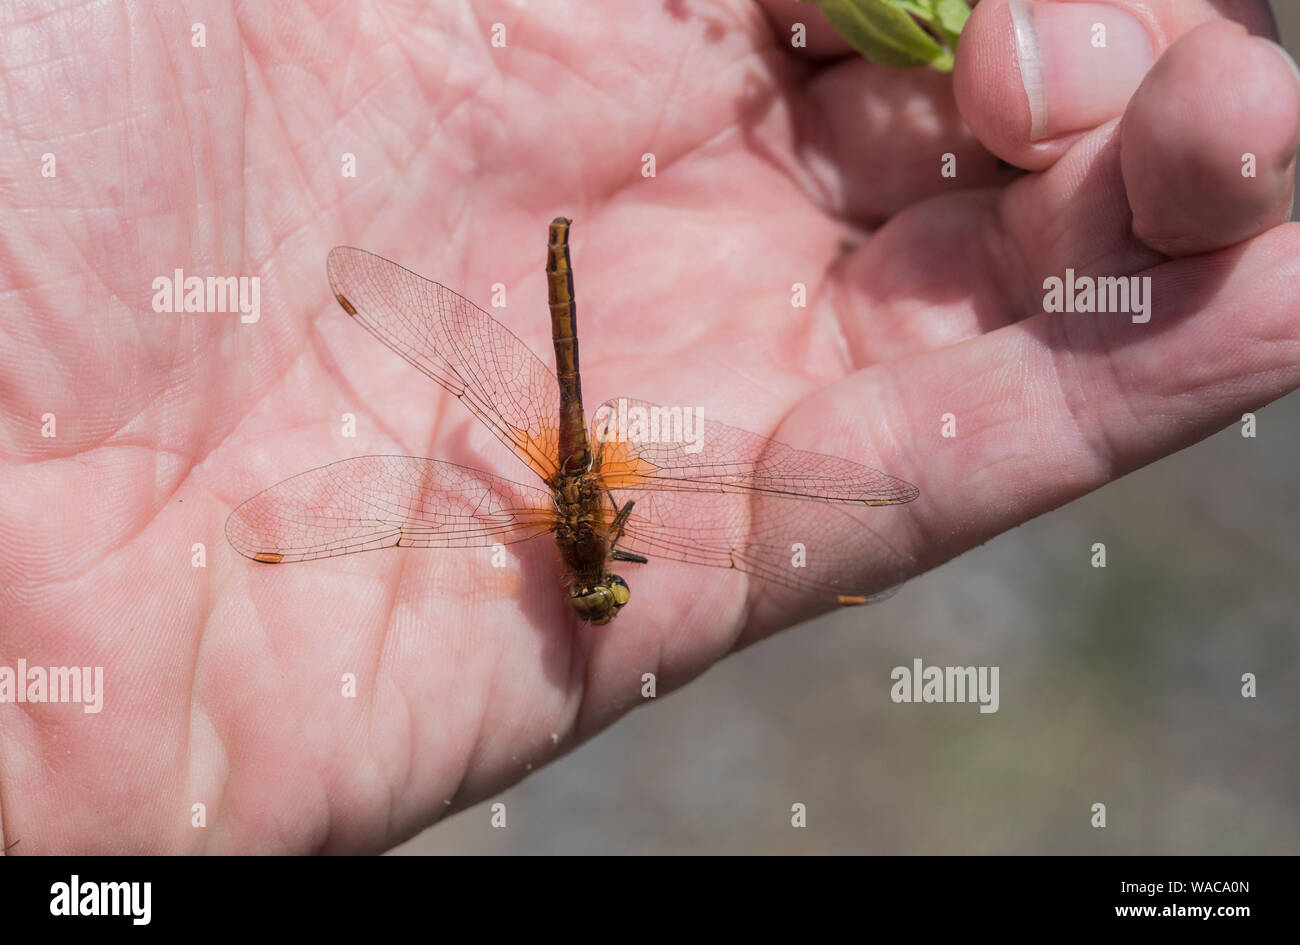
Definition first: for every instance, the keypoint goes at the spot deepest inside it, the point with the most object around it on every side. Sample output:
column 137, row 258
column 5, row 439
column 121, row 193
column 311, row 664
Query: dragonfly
column 639, row 485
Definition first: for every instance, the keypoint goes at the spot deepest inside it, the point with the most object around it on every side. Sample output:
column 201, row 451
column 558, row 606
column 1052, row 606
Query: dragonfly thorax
column 594, row 593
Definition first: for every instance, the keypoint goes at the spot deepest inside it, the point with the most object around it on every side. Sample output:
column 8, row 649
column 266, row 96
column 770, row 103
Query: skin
column 223, row 682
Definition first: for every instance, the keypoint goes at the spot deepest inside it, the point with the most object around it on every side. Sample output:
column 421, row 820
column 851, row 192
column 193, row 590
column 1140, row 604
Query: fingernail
column 1079, row 63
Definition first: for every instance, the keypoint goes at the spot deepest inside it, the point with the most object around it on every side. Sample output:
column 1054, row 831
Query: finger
column 1208, row 143
column 1053, row 407
column 1031, row 77
column 1177, row 159
column 949, row 270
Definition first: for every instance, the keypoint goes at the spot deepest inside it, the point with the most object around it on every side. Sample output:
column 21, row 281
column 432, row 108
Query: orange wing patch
column 538, row 448
column 619, row 468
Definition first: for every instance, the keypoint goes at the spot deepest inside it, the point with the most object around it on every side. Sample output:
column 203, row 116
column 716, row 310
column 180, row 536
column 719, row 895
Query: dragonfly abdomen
column 574, row 445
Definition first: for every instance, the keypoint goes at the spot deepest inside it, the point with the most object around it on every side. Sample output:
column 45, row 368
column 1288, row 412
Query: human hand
column 222, row 683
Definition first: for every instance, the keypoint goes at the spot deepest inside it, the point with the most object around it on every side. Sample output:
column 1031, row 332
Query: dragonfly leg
column 620, row 520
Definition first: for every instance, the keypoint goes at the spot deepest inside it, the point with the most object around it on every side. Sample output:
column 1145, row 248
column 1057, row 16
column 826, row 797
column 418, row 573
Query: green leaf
column 919, row 8
column 882, row 32
column 886, row 32
column 952, row 16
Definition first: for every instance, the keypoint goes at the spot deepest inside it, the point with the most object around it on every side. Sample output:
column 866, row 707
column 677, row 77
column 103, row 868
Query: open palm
column 229, row 684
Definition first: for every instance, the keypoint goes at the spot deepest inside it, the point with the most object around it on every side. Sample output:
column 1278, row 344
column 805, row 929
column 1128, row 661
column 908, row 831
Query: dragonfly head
column 602, row 602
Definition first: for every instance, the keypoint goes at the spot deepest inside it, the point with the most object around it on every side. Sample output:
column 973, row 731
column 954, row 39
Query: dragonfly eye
column 600, row 604
column 618, row 589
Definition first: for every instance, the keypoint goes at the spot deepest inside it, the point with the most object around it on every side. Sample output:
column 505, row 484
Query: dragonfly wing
column 668, row 451
column 457, row 344
column 381, row 501
column 817, row 548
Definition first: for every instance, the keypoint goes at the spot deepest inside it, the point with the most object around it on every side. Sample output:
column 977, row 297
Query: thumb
column 1032, row 76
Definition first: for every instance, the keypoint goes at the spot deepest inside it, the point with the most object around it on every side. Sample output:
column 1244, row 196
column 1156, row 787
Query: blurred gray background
column 1119, row 686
